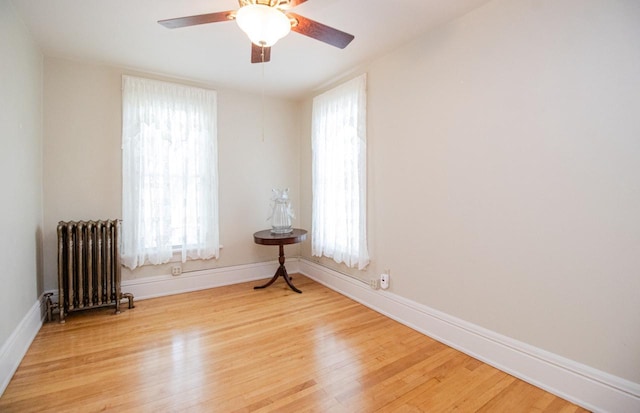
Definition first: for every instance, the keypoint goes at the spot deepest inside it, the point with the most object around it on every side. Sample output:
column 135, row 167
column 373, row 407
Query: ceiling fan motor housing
column 280, row 4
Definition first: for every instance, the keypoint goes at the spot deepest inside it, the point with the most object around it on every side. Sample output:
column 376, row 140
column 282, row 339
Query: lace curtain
column 339, row 228
column 169, row 172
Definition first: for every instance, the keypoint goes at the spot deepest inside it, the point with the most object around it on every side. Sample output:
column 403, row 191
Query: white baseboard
column 162, row 285
column 16, row 346
column 583, row 385
column 167, row 284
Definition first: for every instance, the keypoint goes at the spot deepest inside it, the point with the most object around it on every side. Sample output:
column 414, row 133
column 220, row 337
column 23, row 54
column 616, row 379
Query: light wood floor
column 233, row 349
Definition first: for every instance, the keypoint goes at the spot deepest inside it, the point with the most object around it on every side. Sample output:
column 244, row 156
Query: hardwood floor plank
column 233, row 349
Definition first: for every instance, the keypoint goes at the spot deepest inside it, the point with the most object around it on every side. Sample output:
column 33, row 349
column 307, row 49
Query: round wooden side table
column 265, row 237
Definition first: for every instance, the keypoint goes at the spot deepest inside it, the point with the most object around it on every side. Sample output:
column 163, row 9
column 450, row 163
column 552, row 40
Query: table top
column 265, row 237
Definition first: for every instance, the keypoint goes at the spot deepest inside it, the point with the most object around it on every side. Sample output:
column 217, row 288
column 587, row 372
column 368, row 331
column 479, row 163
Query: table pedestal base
column 281, row 271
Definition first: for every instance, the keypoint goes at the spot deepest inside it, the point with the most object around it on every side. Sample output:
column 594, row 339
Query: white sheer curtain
column 339, row 229
column 169, row 172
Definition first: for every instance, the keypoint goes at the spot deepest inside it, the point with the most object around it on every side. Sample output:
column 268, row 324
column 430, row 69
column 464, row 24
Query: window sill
column 177, row 256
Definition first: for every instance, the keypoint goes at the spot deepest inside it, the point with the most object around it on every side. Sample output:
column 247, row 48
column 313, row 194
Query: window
column 339, row 174
column 169, row 172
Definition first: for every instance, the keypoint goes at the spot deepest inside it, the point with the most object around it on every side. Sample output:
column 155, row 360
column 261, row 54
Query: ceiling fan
column 265, row 22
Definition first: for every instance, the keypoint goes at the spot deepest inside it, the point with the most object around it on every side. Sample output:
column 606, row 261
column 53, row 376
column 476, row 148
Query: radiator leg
column 129, row 296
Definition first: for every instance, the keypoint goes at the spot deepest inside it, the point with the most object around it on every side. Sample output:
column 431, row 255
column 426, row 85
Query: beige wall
column 503, row 171
column 82, row 161
column 20, row 170
column 504, row 175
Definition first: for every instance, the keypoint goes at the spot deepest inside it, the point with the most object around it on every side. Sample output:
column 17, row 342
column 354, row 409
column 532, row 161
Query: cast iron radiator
column 88, row 267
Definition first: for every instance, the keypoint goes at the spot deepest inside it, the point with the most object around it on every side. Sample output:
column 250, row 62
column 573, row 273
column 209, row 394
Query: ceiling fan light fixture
column 263, row 24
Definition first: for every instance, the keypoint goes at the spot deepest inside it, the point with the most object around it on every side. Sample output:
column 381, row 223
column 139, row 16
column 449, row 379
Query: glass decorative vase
column 281, row 212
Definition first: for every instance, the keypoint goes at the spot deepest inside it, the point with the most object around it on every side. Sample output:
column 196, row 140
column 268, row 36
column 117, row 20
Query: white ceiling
column 125, row 33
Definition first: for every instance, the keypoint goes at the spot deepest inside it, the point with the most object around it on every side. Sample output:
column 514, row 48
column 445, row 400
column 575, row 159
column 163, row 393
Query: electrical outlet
column 374, row 284
column 384, row 281
column 176, row 270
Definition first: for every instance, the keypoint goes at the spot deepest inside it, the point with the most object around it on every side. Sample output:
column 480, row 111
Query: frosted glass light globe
column 263, row 24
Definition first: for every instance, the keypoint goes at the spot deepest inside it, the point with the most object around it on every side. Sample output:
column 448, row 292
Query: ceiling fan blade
column 222, row 16
column 256, row 54
column 321, row 32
